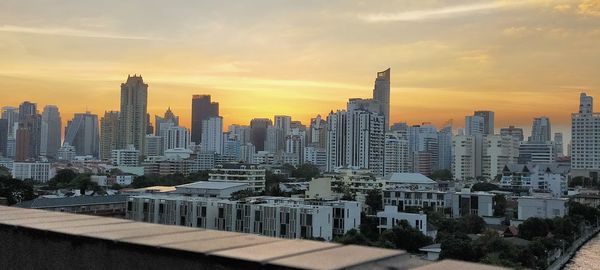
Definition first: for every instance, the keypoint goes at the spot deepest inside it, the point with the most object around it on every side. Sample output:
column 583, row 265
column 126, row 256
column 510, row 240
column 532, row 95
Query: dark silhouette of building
column 202, row 109
column 381, row 94
column 258, row 132
column 26, row 109
column 134, row 111
column 22, row 144
column 3, row 137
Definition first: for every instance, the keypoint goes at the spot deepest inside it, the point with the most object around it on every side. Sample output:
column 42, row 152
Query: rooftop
column 56, row 240
column 409, row 178
column 212, row 185
column 72, row 201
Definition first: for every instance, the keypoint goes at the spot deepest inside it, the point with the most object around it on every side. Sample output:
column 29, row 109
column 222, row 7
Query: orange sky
column 521, row 59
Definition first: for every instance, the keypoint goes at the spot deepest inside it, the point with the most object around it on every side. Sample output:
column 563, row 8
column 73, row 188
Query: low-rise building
column 221, row 190
column 129, row 157
column 406, row 198
column 478, row 203
column 536, row 177
column 269, row 216
column 391, row 216
column 410, row 181
column 109, row 205
column 36, row 171
column 240, row 173
column 541, row 207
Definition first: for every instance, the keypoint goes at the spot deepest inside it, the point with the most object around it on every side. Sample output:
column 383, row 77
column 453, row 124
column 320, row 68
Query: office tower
column 154, row 146
column 317, row 133
column 558, row 144
column 11, row 114
column 396, row 158
column 175, row 137
column 109, row 132
column 498, row 152
column 585, row 149
column 51, row 131
column 513, row 131
column 474, row 124
column 212, row 135
column 488, row 121
column 149, row 127
column 336, row 139
column 202, row 109
column 284, row 123
column 22, row 143
column 32, row 127
column 132, row 118
column 541, row 130
column 82, row 133
column 26, row 109
column 258, row 132
column 536, row 152
column 381, row 93
column 3, row 137
column 444, row 138
column 242, row 133
column 275, row 139
column 169, row 117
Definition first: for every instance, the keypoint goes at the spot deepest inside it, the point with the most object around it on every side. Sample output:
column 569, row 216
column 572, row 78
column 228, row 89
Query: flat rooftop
column 37, row 239
column 216, row 185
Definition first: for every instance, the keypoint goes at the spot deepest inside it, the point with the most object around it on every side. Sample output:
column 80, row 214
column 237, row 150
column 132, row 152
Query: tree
column 532, row 228
column 368, row 226
column 62, row 179
column 459, row 247
column 471, row 224
column 589, row 214
column 306, row 171
column 441, row 175
column 403, row 236
column 499, row 206
column 353, row 237
column 374, row 200
column 15, row 190
column 244, row 194
column 482, row 186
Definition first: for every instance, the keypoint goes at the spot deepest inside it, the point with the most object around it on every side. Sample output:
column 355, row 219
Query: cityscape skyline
column 438, row 75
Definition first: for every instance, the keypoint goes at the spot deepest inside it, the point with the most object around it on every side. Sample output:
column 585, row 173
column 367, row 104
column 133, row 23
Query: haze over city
column 520, row 59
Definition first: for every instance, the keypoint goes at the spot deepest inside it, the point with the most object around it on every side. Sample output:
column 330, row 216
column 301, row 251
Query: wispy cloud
column 429, row 14
column 70, row 32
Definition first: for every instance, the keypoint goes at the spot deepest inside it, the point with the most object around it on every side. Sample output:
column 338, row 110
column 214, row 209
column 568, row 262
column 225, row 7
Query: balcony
column 37, row 239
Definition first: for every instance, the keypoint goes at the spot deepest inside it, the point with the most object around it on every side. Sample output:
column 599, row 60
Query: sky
column 521, row 58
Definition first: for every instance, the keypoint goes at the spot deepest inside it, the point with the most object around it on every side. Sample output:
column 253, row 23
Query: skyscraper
column 26, row 109
column 22, row 147
column 559, row 144
column 541, row 130
column 474, row 124
column 381, row 93
column 109, row 132
column 11, row 114
column 32, row 126
column 585, row 149
column 258, row 132
column 283, row 122
column 51, row 131
column 3, row 137
column 488, row 121
column 212, row 135
column 396, row 159
column 82, row 133
column 169, row 117
column 202, row 109
column 513, row 132
column 317, row 133
column 133, row 122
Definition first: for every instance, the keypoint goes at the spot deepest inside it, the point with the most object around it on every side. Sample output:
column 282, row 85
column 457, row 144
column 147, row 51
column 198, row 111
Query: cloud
column 590, row 7
column 70, row 32
column 430, row 14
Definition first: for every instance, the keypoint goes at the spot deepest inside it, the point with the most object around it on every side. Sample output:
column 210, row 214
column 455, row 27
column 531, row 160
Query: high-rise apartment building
column 498, row 152
column 585, row 141
column 258, row 132
column 51, row 131
column 336, row 139
column 202, row 109
column 396, row 158
column 541, row 130
column 168, row 118
column 3, row 137
column 444, row 140
column 11, row 114
column 317, row 133
column 109, row 132
column 559, row 144
column 174, row 137
column 381, row 93
column 26, row 109
column 212, row 135
column 513, row 131
column 242, row 133
column 488, row 121
column 284, row 123
column 474, row 124
column 133, row 114
column 82, row 133
column 275, row 139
